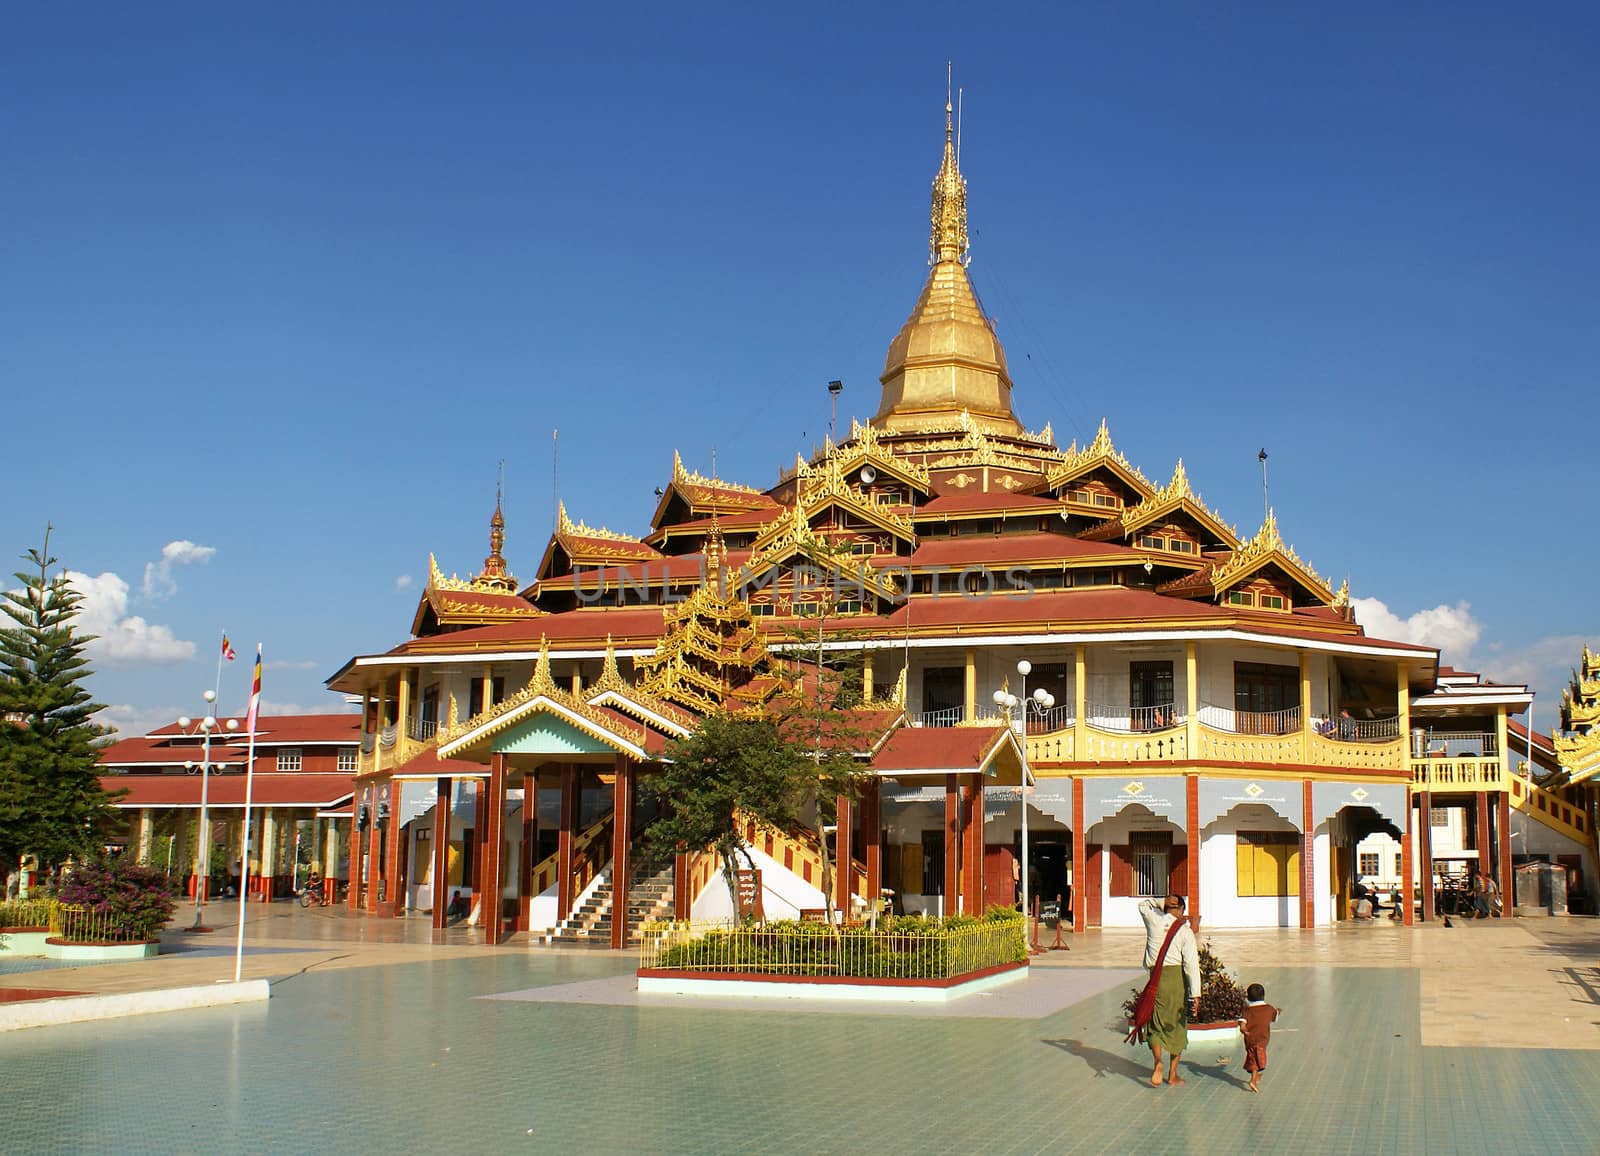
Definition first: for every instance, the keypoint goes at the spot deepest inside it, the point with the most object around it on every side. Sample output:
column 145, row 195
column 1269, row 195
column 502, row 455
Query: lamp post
column 207, row 725
column 1041, row 702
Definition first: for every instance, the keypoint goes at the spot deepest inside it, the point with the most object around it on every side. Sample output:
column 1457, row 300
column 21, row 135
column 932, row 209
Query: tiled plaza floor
column 406, row 1056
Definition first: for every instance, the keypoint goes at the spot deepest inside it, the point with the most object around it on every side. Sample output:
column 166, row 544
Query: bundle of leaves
column 1221, row 998
column 130, row 901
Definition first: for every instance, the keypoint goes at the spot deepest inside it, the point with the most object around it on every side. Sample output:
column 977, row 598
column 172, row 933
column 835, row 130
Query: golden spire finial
column 716, row 556
column 495, row 574
column 610, row 676
column 948, row 241
column 543, row 680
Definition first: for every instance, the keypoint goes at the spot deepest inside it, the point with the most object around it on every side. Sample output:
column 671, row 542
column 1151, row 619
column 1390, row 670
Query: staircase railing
column 1550, row 809
column 591, row 850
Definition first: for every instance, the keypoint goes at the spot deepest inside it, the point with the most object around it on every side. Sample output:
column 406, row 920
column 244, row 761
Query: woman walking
column 1177, row 990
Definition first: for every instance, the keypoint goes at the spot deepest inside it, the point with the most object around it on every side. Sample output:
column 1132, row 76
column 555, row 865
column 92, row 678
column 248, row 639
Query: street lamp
column 208, row 724
column 1041, row 703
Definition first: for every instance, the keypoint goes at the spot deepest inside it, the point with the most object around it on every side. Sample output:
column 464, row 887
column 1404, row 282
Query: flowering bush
column 127, row 901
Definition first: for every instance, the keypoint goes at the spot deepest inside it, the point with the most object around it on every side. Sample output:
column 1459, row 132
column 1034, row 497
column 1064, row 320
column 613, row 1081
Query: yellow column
column 1305, row 706
column 866, row 676
column 405, row 704
column 970, row 696
column 1505, row 755
column 1080, row 699
column 1403, row 709
column 377, row 738
column 488, row 687
column 330, row 849
column 1191, row 697
column 146, row 832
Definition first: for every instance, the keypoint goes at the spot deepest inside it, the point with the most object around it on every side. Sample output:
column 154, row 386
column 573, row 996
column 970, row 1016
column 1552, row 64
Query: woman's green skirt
column 1169, row 1025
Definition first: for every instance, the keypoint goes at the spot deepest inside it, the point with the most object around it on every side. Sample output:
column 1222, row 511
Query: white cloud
column 123, row 639
column 1544, row 665
column 287, row 664
column 404, row 582
column 1452, row 629
column 130, row 720
column 158, row 579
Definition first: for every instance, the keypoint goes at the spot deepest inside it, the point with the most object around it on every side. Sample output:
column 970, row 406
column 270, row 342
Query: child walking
column 1257, row 1024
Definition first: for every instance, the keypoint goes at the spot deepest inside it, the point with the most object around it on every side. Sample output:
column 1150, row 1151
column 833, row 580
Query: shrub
column 129, row 902
column 1221, row 998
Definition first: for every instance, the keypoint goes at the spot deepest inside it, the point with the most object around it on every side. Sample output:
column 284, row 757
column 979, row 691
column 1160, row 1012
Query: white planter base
column 101, row 952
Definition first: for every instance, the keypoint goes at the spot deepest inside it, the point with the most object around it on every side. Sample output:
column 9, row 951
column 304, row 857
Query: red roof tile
column 954, row 749
column 269, row 790
column 1000, row 501
column 292, row 728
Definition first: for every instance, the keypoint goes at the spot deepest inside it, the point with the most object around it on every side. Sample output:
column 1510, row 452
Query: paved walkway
column 376, row 1038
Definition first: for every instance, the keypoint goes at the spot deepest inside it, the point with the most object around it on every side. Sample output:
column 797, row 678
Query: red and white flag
column 227, row 649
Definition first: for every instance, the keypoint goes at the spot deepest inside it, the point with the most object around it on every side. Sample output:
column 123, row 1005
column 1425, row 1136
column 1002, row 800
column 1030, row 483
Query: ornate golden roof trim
column 1260, row 549
column 567, row 528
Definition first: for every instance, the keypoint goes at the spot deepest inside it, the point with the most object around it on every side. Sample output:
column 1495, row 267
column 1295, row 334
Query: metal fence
column 27, row 912
column 84, row 925
column 920, row 951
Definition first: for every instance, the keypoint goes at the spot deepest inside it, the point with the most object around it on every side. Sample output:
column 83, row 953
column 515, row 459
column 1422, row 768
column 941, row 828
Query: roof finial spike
column 543, row 680
column 495, row 575
column 949, row 238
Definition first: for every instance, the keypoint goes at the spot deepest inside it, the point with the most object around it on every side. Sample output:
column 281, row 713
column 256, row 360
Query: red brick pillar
column 872, row 836
column 1080, row 867
column 1308, row 873
column 1480, row 804
column 1192, row 859
column 1425, row 851
column 441, row 855
column 1507, row 880
column 972, row 847
column 357, row 856
column 374, row 844
column 393, row 872
column 479, row 820
column 1407, row 862
column 681, row 899
column 530, row 849
column 952, row 846
column 494, row 839
column 567, row 835
column 844, row 856
column 621, row 830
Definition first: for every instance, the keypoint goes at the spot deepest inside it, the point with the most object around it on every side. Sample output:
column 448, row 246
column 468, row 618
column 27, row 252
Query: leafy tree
column 51, row 803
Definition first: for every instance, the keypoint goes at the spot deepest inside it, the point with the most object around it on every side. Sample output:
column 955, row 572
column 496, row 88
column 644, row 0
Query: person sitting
column 460, row 907
column 1360, row 901
column 1327, row 728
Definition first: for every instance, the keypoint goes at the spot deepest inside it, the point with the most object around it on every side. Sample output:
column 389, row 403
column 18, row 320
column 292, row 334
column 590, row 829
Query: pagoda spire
column 948, row 241
column 494, row 574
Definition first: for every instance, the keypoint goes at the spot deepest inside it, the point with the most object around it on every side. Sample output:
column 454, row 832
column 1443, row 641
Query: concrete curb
column 81, row 1008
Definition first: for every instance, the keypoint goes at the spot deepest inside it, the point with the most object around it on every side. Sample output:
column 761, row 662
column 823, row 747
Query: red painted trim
column 853, row 980
column 1191, row 832
column 1080, row 863
column 952, row 846
column 1308, row 843
column 1425, row 852
column 441, row 854
column 1363, row 775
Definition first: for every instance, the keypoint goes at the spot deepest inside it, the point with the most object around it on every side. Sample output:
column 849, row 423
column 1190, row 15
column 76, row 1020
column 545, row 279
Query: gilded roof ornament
column 542, row 680
column 696, row 480
column 1341, row 596
column 1268, row 541
column 495, row 575
column 1075, row 462
column 610, row 677
column 948, row 239
column 567, row 528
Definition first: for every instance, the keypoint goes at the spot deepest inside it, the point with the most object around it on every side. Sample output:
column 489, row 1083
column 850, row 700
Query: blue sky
column 279, row 288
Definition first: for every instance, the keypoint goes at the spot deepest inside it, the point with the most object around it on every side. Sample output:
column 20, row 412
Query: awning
column 915, row 752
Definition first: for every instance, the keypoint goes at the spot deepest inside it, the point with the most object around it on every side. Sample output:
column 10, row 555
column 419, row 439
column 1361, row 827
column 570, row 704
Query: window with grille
column 1399, row 864
column 347, row 760
column 1438, row 817
column 1151, row 852
column 1368, row 864
column 289, row 759
column 1268, row 863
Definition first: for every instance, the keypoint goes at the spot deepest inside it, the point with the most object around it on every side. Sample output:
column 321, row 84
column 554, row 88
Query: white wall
column 1123, row 911
column 783, row 893
column 1221, row 905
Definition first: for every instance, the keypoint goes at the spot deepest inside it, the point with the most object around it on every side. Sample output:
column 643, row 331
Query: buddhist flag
column 255, row 695
column 227, row 649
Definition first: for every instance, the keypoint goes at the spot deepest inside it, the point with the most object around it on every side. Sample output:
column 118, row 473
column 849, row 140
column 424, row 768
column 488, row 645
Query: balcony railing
column 423, row 729
column 1057, row 718
column 1133, row 720
column 1358, row 730
column 1431, row 744
column 1251, row 722
column 947, row 716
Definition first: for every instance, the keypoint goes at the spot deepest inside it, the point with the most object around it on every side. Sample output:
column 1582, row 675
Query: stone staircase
column 589, row 925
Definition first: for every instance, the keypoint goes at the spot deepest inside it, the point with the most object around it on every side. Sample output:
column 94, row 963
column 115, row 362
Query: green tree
column 51, row 803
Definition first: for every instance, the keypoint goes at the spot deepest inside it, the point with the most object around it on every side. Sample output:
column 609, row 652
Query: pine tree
column 51, row 803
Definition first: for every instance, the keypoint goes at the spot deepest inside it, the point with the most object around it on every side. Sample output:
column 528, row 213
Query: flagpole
column 249, row 784
column 202, row 832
